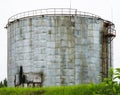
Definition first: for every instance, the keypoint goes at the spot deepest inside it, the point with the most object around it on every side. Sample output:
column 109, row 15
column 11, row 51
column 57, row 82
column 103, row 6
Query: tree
column 20, row 75
column 1, row 85
column 5, row 82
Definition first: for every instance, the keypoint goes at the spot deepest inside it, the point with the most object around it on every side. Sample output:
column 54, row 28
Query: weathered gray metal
column 65, row 46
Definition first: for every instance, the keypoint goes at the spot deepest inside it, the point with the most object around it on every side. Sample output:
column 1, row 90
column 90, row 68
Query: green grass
column 58, row 90
column 21, row 91
column 84, row 89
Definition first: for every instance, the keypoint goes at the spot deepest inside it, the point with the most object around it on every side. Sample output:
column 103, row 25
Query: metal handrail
column 49, row 11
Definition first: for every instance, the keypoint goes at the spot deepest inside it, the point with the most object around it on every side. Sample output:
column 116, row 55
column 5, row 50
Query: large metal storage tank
column 58, row 47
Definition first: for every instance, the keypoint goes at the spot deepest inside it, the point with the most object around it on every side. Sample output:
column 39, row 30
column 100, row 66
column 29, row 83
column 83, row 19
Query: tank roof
column 51, row 11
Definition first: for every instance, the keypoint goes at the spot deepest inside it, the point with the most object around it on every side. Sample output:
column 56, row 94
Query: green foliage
column 117, row 73
column 1, row 84
column 59, row 90
column 4, row 83
column 21, row 91
column 85, row 89
column 109, row 86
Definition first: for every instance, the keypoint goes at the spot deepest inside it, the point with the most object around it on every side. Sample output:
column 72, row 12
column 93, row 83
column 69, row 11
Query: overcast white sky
column 107, row 9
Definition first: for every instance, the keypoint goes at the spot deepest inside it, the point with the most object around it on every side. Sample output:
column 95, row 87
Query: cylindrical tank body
column 56, row 47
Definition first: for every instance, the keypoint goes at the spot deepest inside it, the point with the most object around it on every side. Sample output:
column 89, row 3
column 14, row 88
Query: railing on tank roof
column 52, row 11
